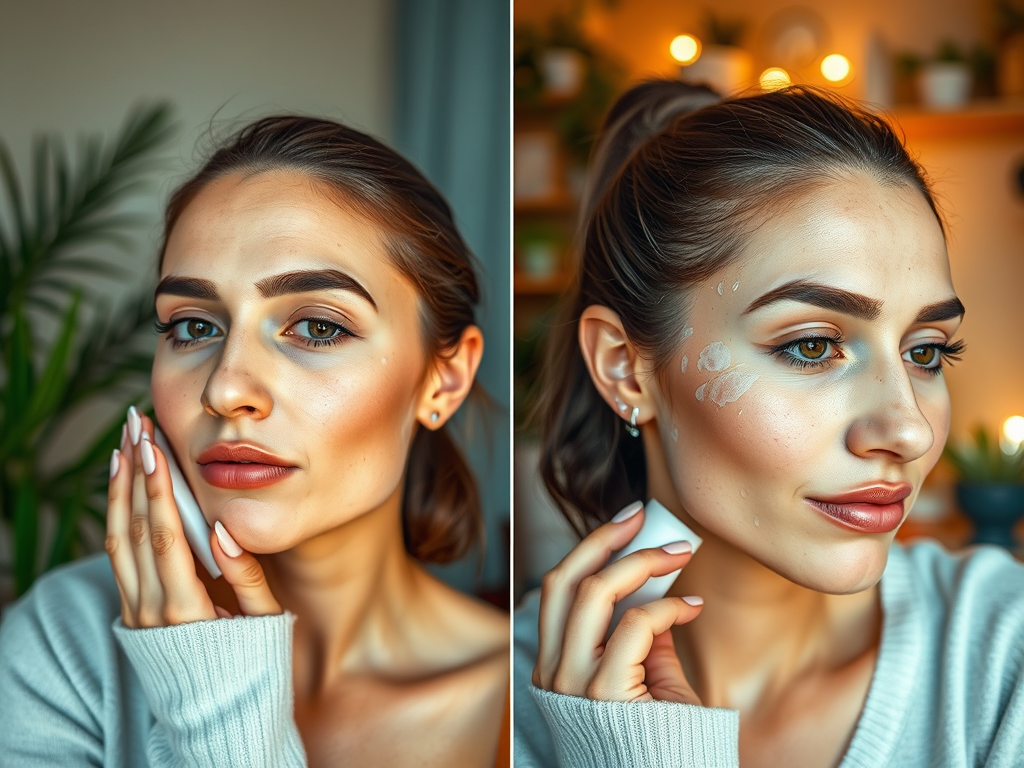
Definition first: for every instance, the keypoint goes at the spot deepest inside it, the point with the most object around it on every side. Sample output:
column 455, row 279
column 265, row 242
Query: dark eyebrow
column 942, row 310
column 303, row 281
column 824, row 296
column 189, row 287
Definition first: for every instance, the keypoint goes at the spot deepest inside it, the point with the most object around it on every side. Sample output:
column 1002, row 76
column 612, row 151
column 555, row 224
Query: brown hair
column 678, row 179
column 441, row 504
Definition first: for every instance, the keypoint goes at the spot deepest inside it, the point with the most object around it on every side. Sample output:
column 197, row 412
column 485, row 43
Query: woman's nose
column 890, row 420
column 235, row 387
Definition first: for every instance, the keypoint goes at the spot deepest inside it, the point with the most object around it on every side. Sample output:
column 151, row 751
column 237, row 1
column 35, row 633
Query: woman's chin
column 260, row 527
column 838, row 570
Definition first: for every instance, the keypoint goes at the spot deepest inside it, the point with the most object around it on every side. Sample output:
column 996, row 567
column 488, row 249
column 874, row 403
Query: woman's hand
column 152, row 562
column 638, row 662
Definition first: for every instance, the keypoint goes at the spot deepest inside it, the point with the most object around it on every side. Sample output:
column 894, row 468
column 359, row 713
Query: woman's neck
column 759, row 632
column 354, row 592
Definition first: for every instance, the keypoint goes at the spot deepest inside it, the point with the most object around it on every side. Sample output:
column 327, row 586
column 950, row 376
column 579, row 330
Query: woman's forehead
column 865, row 237
column 251, row 228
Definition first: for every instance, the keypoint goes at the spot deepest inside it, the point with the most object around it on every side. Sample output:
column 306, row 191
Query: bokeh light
column 685, row 49
column 835, row 67
column 1013, row 434
column 774, row 78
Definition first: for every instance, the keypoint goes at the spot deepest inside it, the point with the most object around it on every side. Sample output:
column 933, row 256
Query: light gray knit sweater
column 948, row 688
column 78, row 689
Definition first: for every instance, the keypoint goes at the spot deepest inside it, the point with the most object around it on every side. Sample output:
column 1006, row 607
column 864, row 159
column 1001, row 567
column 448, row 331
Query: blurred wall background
column 69, row 67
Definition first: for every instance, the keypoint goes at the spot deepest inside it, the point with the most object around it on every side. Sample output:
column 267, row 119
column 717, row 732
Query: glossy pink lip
column 876, row 508
column 227, row 465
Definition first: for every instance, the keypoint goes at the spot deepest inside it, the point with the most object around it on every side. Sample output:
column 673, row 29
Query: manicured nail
column 115, row 459
column 229, row 545
column 134, row 425
column 145, row 436
column 678, row 547
column 148, row 459
column 693, row 600
column 628, row 512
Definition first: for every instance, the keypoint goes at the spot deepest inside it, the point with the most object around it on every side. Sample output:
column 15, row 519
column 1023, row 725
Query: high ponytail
column 678, row 179
column 441, row 505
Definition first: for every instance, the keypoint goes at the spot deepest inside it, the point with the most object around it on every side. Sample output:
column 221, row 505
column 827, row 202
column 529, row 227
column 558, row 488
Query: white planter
column 725, row 68
column 944, row 85
column 562, row 70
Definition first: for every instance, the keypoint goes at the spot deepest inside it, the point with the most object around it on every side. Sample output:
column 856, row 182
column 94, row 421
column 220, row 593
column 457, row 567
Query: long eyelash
column 313, row 343
column 782, row 351
column 949, row 353
column 164, row 329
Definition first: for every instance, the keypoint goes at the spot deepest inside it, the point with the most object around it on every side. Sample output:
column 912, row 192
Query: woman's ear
column 616, row 369
column 450, row 379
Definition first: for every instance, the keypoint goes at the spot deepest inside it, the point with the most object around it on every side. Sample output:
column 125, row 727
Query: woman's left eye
column 319, row 331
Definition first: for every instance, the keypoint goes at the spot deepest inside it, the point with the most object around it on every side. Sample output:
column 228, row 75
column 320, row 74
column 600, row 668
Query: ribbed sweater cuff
column 652, row 734
column 221, row 690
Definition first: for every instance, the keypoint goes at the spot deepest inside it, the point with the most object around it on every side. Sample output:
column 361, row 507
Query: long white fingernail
column 148, row 459
column 693, row 600
column 114, row 462
column 628, row 512
column 134, row 425
column 678, row 547
column 229, row 545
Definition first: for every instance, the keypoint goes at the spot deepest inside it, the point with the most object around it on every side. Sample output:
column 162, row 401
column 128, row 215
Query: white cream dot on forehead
column 719, row 289
column 383, row 361
column 714, row 357
column 687, row 333
column 736, row 285
column 682, row 366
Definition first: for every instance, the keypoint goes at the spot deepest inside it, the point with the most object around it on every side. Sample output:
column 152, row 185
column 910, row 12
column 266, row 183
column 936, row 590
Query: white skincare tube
column 660, row 527
column 197, row 530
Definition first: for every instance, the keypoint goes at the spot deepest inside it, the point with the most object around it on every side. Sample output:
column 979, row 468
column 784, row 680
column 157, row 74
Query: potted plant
column 62, row 349
column 991, row 486
column 722, row 65
column 944, row 82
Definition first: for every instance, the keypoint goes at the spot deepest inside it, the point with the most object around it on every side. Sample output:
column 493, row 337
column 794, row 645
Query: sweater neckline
column 888, row 702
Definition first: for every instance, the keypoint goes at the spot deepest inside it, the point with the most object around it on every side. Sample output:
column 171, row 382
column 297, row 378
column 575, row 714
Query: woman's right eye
column 188, row 331
column 809, row 352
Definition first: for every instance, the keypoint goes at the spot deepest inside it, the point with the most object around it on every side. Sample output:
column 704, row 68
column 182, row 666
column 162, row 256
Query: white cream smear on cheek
column 719, row 289
column 727, row 387
column 687, row 333
column 736, row 285
column 714, row 357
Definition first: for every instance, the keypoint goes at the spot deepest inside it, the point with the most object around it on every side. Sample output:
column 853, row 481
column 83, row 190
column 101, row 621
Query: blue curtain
column 452, row 119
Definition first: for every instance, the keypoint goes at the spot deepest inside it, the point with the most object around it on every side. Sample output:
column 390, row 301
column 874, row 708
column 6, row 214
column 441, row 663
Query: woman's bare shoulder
column 467, row 631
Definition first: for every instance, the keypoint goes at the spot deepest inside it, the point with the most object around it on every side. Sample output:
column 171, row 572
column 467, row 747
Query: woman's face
column 292, row 334
column 807, row 399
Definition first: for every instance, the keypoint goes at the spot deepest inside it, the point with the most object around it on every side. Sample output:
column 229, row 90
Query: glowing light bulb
column 835, row 67
column 685, row 49
column 774, row 78
column 1013, row 434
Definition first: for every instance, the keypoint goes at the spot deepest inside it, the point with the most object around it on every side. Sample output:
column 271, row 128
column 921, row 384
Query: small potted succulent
column 991, row 486
column 945, row 81
column 723, row 64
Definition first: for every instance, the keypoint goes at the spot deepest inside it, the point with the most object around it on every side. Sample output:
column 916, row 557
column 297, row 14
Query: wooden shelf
column 558, row 205
column 528, row 285
column 977, row 119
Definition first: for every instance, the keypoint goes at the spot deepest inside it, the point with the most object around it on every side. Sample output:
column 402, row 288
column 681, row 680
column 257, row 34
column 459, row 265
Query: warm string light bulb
column 835, row 67
column 774, row 78
column 1013, row 435
column 684, row 48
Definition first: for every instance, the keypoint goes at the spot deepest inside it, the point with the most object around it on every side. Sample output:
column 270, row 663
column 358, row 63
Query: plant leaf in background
column 60, row 228
column 984, row 461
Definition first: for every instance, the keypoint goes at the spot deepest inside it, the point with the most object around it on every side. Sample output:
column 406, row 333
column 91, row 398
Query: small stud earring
column 631, row 427
column 434, row 417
